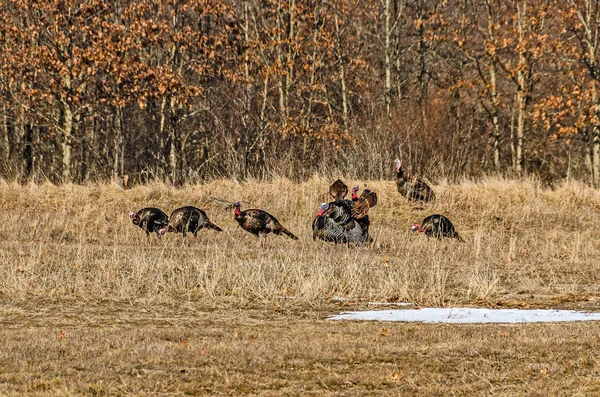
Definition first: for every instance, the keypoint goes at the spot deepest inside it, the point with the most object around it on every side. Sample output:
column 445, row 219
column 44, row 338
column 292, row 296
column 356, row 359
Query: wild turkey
column 334, row 223
column 259, row 223
column 345, row 221
column 338, row 190
column 414, row 189
column 436, row 226
column 189, row 219
column 150, row 220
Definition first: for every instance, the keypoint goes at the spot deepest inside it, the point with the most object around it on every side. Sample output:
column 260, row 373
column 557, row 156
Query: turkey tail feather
column 372, row 199
column 288, row 233
column 214, row 227
column 338, row 190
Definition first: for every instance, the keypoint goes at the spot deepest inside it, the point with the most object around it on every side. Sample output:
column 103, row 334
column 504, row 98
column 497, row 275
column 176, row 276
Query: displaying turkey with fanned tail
column 259, row 223
column 150, row 220
column 345, row 221
column 189, row 219
column 414, row 189
column 437, row 226
column 334, row 223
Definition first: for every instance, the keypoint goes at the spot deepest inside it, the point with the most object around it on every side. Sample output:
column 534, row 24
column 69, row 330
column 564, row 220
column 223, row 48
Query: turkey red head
column 416, row 228
column 398, row 165
column 162, row 230
column 134, row 217
column 324, row 207
column 237, row 207
column 355, row 193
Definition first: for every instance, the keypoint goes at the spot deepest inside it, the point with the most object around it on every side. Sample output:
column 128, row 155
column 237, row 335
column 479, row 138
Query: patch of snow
column 468, row 315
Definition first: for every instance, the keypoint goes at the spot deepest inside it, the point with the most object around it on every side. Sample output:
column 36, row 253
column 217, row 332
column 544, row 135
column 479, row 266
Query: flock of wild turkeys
column 340, row 221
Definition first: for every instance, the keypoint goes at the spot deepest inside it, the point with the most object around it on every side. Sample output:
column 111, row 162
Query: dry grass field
column 89, row 305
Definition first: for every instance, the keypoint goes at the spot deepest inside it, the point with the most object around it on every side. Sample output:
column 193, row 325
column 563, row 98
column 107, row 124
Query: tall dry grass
column 523, row 243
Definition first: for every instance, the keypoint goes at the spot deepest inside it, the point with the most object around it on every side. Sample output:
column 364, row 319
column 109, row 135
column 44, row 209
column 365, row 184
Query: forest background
column 192, row 90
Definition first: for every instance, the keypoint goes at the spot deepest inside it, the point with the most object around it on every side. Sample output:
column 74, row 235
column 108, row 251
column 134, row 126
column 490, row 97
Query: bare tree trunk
column 88, row 147
column 512, row 136
column 290, row 53
column 164, row 140
column 422, row 76
column 588, row 158
column 494, row 89
column 313, row 75
column 246, row 27
column 66, row 142
column 388, row 66
column 594, row 142
column 596, row 156
column 172, row 144
column 280, row 82
column 342, row 74
column 519, row 158
column 118, row 150
column 522, row 89
column 313, row 71
column 85, row 146
column 496, row 146
column 5, row 145
column 398, row 11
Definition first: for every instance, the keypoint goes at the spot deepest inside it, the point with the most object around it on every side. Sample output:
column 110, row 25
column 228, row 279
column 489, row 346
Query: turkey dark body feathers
column 326, row 229
column 260, row 222
column 150, row 220
column 190, row 219
column 439, row 226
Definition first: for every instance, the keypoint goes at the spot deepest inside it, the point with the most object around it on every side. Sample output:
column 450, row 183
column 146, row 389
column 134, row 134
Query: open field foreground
column 89, row 305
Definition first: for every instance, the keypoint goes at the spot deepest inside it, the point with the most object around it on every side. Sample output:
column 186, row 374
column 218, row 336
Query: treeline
column 189, row 90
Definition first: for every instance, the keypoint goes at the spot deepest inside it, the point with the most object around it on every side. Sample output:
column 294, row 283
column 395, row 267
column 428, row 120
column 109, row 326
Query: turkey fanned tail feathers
column 338, row 190
column 366, row 200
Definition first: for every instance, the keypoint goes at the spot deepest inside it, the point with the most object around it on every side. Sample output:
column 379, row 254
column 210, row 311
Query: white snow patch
column 468, row 315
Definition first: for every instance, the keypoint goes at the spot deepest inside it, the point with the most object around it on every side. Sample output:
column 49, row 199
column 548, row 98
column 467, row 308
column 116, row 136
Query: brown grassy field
column 89, row 305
